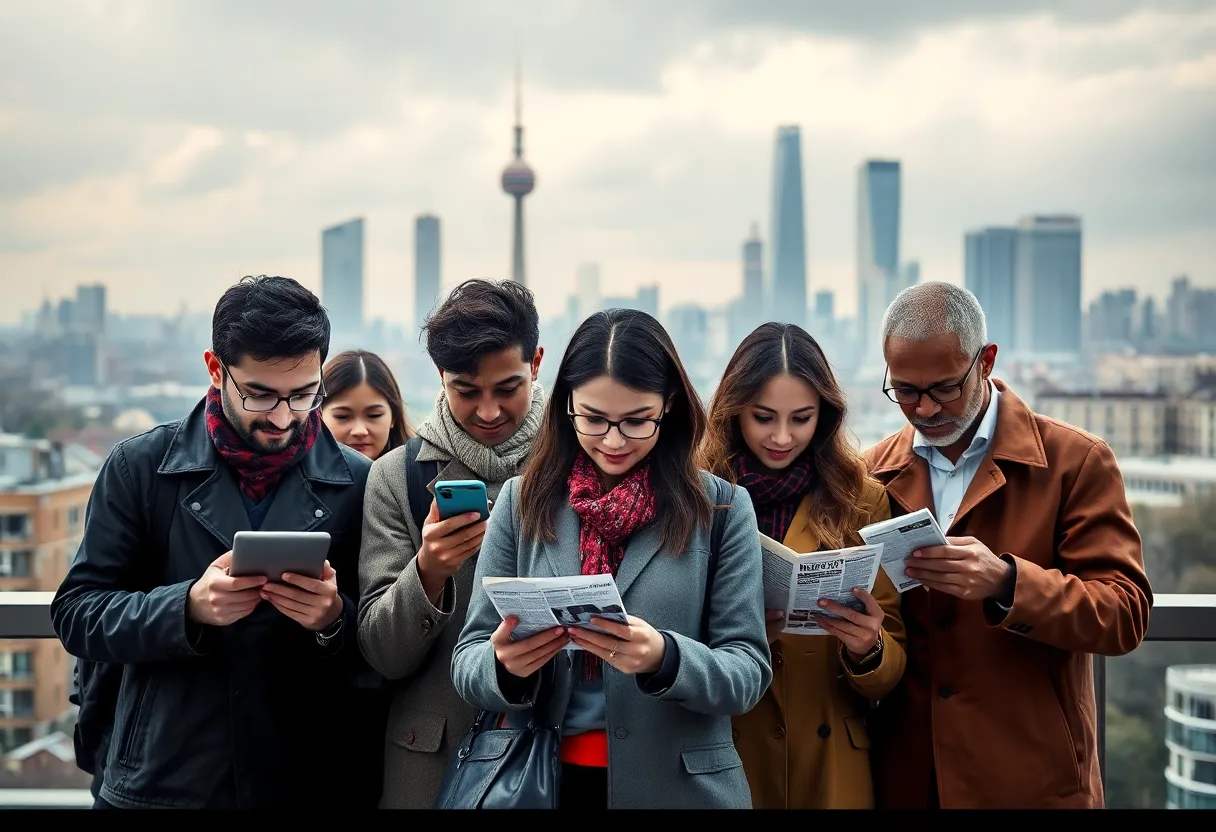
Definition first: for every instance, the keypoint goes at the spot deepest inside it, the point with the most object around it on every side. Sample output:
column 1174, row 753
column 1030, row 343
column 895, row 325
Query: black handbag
column 512, row 760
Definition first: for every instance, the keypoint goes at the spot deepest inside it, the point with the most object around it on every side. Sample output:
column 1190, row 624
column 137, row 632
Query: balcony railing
column 1175, row 618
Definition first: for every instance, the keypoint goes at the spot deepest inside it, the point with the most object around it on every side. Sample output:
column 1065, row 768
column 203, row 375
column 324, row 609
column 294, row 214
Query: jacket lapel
column 218, row 507
column 295, row 506
column 562, row 553
column 639, row 552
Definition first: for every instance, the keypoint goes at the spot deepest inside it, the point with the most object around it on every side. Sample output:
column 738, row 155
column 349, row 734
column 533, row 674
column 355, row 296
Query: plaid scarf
column 608, row 521
column 256, row 473
column 775, row 494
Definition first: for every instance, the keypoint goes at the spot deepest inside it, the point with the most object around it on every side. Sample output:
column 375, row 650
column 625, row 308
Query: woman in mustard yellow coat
column 776, row 428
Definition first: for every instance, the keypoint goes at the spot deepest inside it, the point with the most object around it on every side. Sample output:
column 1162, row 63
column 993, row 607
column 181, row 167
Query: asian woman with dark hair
column 613, row 488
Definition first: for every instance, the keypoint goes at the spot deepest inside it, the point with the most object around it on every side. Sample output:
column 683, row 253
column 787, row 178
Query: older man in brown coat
column 1043, row 568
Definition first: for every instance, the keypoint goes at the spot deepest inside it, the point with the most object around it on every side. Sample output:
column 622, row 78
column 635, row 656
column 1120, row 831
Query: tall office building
column 786, row 291
column 587, row 290
column 989, row 272
column 909, row 275
column 89, row 310
column 1048, row 286
column 518, row 180
column 342, row 278
column 751, row 307
column 648, row 299
column 427, row 273
column 878, row 271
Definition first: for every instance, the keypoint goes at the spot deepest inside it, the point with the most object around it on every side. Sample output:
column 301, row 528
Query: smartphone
column 455, row 497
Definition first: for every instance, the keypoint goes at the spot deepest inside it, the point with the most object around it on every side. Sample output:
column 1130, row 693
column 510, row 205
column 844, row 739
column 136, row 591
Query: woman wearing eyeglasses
column 612, row 488
column 776, row 428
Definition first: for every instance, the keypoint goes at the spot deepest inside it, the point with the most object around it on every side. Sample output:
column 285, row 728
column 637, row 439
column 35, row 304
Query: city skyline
column 165, row 198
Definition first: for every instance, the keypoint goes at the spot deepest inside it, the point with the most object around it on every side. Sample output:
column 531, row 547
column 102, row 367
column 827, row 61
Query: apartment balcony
column 1182, row 630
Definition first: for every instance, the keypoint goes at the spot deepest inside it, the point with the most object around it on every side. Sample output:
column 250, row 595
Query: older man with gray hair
column 1043, row 568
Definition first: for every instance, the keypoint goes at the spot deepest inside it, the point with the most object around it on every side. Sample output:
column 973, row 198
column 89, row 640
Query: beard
column 961, row 423
column 234, row 412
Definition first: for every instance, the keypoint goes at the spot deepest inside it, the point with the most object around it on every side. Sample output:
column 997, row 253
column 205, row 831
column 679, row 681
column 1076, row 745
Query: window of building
column 23, row 703
column 73, row 519
column 1204, row 771
column 15, row 526
column 16, row 564
column 17, row 666
column 1201, row 708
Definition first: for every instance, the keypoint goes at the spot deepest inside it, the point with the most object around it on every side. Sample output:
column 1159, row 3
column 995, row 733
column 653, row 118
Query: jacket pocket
column 858, row 735
column 136, row 724
column 710, row 759
column 414, row 730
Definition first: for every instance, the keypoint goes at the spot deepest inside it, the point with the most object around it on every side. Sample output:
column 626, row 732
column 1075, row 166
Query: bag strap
column 724, row 496
column 418, row 476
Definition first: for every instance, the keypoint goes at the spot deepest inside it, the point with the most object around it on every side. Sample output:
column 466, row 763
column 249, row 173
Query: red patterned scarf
column 256, row 473
column 775, row 494
column 609, row 519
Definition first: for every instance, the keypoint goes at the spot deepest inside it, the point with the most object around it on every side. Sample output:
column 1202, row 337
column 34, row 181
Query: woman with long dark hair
column 612, row 488
column 776, row 428
column 363, row 406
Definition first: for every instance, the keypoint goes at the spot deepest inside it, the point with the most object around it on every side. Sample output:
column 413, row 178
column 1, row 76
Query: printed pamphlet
column 900, row 537
column 543, row 603
column 795, row 582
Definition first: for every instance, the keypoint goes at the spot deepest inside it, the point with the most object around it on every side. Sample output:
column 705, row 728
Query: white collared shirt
column 950, row 480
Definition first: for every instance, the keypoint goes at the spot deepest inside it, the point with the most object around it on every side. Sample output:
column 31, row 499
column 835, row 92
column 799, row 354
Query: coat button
column 409, row 738
column 620, row 733
column 945, row 692
column 318, row 513
column 196, row 506
column 824, row 731
column 426, row 625
column 779, row 732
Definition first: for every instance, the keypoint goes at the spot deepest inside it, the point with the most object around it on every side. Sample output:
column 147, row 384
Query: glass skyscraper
column 879, row 278
column 1048, row 286
column 989, row 256
column 426, row 268
column 785, row 297
column 342, row 278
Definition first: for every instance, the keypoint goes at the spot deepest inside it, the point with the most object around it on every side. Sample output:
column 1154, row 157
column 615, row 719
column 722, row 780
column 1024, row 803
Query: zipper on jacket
column 136, row 718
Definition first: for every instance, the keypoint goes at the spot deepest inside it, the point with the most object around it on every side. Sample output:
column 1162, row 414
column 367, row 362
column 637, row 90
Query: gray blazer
column 406, row 638
column 674, row 749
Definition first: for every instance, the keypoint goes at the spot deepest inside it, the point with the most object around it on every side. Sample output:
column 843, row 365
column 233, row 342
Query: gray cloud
column 99, row 95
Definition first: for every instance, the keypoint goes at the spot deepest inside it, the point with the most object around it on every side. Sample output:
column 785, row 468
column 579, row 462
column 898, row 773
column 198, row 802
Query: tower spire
column 518, row 180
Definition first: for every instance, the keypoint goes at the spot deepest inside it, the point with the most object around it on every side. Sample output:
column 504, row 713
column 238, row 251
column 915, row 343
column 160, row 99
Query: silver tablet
column 273, row 553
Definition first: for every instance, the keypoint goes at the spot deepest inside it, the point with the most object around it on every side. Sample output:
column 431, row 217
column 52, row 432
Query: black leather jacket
column 256, row 714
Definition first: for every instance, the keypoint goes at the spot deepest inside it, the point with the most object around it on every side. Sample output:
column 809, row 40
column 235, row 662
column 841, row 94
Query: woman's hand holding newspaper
column 858, row 631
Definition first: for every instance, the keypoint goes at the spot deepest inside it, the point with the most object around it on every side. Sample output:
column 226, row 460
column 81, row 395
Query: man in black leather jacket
column 234, row 692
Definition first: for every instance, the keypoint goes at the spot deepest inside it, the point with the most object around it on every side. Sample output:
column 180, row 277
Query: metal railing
column 1175, row 618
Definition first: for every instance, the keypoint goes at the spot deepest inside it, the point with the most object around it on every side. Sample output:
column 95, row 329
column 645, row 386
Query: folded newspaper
column 796, row 582
column 543, row 603
column 900, row 537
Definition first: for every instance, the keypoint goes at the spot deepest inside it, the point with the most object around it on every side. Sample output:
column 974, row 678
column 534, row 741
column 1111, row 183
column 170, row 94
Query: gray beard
column 961, row 424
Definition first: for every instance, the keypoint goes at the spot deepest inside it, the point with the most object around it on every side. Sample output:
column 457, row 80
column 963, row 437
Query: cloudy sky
column 166, row 148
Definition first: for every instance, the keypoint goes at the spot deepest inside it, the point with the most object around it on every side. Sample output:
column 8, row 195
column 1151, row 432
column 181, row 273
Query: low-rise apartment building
column 43, row 494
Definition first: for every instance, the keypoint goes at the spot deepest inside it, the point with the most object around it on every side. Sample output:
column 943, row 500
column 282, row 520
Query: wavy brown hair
column 840, row 475
column 632, row 348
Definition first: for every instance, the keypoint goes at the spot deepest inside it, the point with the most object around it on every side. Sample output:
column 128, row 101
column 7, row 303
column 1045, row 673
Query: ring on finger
column 612, row 655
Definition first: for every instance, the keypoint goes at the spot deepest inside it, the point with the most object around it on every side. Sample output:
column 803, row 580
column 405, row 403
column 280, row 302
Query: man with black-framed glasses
column 1042, row 568
column 199, row 689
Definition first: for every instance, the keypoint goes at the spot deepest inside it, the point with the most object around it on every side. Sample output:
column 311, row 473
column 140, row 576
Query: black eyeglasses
column 631, row 428
column 264, row 402
column 940, row 393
